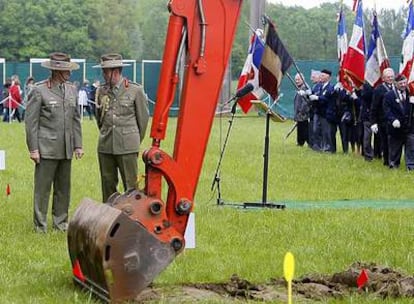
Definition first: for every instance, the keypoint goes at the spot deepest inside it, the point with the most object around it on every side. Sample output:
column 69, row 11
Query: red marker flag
column 77, row 271
column 8, row 191
column 362, row 279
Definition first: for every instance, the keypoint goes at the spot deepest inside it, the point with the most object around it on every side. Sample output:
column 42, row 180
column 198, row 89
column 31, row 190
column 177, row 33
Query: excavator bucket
column 113, row 255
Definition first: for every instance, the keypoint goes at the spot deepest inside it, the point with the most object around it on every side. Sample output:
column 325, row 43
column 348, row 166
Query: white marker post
column 189, row 235
column 2, row 160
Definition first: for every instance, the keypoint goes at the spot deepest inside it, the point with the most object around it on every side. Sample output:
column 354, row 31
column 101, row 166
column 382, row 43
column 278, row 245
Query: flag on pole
column 8, row 191
column 377, row 59
column 407, row 52
column 250, row 72
column 342, row 43
column 275, row 63
column 354, row 6
column 362, row 278
column 354, row 65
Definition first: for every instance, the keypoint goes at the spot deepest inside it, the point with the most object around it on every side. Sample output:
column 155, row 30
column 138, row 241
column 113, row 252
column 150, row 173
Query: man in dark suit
column 122, row 116
column 398, row 111
column 377, row 117
column 53, row 135
column 366, row 100
column 324, row 104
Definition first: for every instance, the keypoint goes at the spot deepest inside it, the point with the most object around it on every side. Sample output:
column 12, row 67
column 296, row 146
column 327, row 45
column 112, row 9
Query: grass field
column 36, row 269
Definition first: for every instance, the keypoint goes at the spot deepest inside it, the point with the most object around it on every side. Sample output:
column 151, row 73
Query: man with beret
column 398, row 111
column 325, row 118
column 53, row 135
column 122, row 116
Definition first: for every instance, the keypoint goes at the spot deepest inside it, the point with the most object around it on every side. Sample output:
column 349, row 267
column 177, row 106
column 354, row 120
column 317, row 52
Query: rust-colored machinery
column 119, row 247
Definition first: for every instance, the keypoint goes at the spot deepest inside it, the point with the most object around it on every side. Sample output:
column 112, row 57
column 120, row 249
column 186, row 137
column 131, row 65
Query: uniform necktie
column 115, row 90
column 402, row 99
column 62, row 88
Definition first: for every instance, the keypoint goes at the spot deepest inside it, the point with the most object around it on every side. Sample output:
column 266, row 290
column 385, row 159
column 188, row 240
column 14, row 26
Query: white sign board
column 2, row 160
column 189, row 234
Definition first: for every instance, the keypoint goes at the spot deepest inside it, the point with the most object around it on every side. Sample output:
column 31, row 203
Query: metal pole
column 266, row 159
column 257, row 8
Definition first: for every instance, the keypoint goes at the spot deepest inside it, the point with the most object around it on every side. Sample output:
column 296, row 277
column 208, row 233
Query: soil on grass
column 383, row 282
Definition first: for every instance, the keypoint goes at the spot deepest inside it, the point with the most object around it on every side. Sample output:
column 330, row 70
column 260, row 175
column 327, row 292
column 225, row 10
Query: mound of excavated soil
column 383, row 282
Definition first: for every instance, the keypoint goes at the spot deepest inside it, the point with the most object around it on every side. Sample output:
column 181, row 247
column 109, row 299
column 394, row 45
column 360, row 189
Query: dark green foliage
column 137, row 29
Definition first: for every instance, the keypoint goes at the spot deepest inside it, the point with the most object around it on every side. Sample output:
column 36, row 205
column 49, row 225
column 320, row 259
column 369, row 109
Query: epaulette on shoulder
column 133, row 84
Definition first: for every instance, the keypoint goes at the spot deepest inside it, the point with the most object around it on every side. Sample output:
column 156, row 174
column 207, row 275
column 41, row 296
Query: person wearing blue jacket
column 398, row 111
column 324, row 104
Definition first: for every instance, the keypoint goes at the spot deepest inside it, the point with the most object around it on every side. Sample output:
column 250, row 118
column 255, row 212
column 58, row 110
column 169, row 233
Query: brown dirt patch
column 383, row 283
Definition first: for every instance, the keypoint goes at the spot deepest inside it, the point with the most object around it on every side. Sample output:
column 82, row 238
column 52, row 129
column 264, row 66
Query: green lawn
column 252, row 243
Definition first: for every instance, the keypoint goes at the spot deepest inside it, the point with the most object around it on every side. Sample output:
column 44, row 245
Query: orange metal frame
column 211, row 28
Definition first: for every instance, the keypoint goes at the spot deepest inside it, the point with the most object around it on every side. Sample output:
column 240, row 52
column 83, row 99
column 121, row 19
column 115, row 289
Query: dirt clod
column 383, row 282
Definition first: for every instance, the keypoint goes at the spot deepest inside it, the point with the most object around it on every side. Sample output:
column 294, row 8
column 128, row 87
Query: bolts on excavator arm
column 155, row 207
column 184, row 206
column 177, row 244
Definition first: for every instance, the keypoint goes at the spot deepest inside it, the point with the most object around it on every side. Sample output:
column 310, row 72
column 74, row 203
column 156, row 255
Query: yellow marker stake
column 289, row 270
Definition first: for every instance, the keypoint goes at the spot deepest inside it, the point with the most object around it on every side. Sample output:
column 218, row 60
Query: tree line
column 87, row 29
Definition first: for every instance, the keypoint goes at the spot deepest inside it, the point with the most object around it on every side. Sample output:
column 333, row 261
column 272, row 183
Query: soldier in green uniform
column 122, row 117
column 53, row 135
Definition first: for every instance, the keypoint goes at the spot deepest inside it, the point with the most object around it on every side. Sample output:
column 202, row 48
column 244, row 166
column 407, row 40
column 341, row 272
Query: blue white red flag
column 354, row 65
column 407, row 52
column 250, row 72
column 342, row 48
column 377, row 59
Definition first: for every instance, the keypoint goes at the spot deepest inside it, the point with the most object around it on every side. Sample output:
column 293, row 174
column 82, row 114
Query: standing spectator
column 301, row 108
column 366, row 99
column 53, row 135
column 377, row 117
column 324, row 104
column 122, row 117
column 84, row 100
column 92, row 95
column 5, row 99
column 315, row 79
column 398, row 114
column 27, row 87
column 343, row 101
column 15, row 99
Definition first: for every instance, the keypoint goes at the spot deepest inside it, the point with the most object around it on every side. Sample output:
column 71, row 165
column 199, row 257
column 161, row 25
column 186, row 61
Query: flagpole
column 250, row 27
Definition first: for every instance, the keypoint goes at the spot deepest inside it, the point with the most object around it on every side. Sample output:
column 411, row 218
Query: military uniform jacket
column 301, row 106
column 122, row 116
column 377, row 115
column 397, row 107
column 325, row 106
column 52, row 120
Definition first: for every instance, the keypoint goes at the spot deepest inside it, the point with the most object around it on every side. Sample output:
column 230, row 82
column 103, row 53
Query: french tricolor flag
column 407, row 53
column 377, row 59
column 250, row 72
column 342, row 48
column 354, row 65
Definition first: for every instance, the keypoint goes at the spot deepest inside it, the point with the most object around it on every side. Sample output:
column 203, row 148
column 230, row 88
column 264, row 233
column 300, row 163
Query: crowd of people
column 375, row 122
column 15, row 97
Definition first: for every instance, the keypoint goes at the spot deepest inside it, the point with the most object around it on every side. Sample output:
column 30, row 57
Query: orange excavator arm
column 119, row 247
